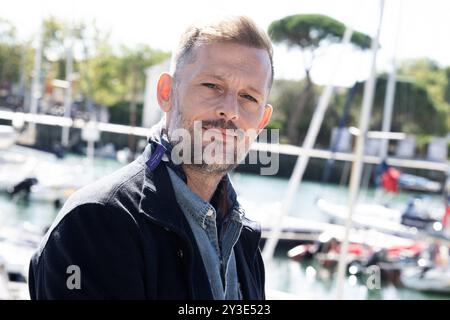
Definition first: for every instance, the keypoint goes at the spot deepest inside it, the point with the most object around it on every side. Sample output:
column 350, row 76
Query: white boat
column 14, row 168
column 53, row 182
column 4, row 291
column 8, row 136
column 292, row 225
column 56, row 182
column 431, row 280
column 375, row 216
column 365, row 215
column 417, row 183
column 17, row 245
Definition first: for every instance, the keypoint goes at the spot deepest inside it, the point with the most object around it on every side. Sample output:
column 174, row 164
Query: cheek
column 195, row 108
column 250, row 120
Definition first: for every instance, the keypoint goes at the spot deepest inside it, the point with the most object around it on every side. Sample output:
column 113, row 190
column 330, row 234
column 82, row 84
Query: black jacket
column 130, row 240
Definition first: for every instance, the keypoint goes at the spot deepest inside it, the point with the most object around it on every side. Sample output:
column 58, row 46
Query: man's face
column 220, row 96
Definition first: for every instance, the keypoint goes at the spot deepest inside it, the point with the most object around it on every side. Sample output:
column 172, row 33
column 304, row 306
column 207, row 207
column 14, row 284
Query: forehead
column 233, row 62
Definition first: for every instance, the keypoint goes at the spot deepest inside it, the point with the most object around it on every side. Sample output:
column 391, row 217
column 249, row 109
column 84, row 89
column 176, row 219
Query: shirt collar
column 224, row 192
column 190, row 201
column 200, row 209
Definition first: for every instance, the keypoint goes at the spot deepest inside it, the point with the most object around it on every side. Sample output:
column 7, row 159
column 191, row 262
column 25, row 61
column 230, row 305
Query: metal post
column 390, row 92
column 302, row 160
column 355, row 179
column 36, row 84
column 68, row 92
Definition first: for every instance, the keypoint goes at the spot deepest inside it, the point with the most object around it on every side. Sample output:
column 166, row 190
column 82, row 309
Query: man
column 168, row 225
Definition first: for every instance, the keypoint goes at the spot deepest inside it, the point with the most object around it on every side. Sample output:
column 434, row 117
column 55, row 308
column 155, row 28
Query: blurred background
column 347, row 215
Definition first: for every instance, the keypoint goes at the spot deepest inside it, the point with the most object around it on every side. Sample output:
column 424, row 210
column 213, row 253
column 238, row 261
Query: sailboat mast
column 68, row 91
column 302, row 160
column 390, row 91
column 36, row 84
column 355, row 179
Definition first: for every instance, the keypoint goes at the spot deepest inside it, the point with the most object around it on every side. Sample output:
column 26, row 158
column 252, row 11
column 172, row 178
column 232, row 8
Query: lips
column 216, row 132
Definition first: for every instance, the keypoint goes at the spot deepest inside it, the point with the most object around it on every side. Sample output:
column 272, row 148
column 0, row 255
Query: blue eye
column 249, row 97
column 209, row 85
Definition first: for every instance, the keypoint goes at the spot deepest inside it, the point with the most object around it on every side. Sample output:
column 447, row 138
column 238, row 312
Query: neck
column 204, row 184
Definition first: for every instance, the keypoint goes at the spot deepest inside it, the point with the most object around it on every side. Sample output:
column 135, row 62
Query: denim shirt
column 216, row 250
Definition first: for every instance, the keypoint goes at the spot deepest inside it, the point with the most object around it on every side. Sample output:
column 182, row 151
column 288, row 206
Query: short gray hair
column 232, row 29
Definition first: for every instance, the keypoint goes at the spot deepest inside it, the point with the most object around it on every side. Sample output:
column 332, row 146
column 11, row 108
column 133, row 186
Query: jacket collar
column 158, row 203
column 158, row 198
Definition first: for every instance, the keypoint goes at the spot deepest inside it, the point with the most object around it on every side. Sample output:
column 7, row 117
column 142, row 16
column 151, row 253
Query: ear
column 268, row 109
column 164, row 88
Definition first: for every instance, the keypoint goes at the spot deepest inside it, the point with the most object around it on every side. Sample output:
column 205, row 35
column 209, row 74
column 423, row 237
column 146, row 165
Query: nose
column 229, row 108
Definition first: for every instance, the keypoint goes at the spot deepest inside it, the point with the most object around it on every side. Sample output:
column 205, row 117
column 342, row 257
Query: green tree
column 100, row 80
column 309, row 32
column 414, row 110
column 447, row 86
column 10, row 54
column 285, row 95
column 132, row 65
column 54, row 33
column 434, row 79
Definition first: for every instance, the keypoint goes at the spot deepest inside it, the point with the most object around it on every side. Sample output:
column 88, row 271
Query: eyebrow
column 215, row 76
column 222, row 78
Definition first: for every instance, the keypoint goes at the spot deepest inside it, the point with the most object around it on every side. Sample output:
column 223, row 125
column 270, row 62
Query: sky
column 423, row 27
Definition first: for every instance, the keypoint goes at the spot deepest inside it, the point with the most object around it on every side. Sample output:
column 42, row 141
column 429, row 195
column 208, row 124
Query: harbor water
column 256, row 193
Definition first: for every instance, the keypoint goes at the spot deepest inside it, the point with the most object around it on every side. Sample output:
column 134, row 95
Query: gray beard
column 211, row 168
column 215, row 168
